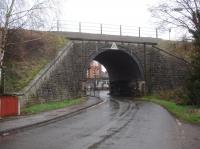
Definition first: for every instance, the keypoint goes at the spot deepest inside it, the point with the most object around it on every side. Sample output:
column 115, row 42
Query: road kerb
column 48, row 121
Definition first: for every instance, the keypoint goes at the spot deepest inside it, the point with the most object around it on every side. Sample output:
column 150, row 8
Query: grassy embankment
column 37, row 108
column 182, row 49
column 26, row 54
column 187, row 113
column 23, row 60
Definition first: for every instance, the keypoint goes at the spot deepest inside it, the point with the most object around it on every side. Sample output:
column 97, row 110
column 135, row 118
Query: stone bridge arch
column 124, row 68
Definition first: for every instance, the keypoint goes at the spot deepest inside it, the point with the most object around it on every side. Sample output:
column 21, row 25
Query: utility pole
column 156, row 33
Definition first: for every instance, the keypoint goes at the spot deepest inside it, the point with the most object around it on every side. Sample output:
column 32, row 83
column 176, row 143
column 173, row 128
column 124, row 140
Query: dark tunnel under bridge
column 124, row 71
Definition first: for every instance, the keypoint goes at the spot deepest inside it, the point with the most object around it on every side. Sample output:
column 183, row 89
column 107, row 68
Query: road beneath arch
column 118, row 123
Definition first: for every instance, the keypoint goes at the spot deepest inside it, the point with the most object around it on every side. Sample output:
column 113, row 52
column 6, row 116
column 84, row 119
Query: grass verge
column 184, row 112
column 37, row 108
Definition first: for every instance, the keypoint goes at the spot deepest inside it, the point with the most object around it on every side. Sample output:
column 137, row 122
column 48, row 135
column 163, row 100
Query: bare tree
column 23, row 14
column 178, row 13
column 184, row 14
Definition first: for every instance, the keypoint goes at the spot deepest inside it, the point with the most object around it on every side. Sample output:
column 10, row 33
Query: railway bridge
column 130, row 61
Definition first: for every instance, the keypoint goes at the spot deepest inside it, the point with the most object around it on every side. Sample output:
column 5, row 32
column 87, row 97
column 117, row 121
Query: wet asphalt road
column 118, row 123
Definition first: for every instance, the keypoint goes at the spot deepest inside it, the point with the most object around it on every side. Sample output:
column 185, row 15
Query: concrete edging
column 48, row 121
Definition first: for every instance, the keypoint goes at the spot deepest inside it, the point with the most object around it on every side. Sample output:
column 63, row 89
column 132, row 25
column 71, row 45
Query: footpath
column 20, row 123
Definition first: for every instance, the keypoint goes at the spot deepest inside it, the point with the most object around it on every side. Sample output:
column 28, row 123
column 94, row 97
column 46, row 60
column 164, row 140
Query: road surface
column 118, row 123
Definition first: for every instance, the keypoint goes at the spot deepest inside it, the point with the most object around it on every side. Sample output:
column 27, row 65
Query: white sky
column 124, row 12
column 128, row 12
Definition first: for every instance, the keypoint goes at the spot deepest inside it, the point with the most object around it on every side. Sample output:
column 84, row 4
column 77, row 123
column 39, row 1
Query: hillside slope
column 181, row 49
column 27, row 53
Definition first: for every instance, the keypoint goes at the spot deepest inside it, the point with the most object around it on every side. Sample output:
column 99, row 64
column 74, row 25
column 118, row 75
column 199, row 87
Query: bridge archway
column 125, row 70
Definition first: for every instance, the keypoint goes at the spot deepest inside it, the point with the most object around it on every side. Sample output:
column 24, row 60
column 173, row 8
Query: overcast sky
column 131, row 12
column 124, row 12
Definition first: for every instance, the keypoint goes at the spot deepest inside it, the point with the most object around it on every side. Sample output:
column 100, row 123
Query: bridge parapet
column 111, row 38
column 106, row 29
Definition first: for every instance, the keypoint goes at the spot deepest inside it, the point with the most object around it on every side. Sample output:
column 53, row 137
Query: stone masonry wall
column 161, row 70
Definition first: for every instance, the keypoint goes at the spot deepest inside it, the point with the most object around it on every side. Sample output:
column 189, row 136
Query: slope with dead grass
column 27, row 53
column 182, row 49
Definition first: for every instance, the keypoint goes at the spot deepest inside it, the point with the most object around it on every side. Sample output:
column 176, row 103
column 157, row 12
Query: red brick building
column 94, row 70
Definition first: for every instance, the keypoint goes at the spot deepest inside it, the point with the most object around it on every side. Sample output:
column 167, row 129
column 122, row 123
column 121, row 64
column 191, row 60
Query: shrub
column 193, row 80
column 178, row 95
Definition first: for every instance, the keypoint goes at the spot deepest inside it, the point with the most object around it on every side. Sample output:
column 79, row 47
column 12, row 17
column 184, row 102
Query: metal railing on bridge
column 109, row 29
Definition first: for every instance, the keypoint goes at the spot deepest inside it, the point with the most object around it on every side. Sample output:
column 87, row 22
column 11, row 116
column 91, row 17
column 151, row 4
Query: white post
column 19, row 105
